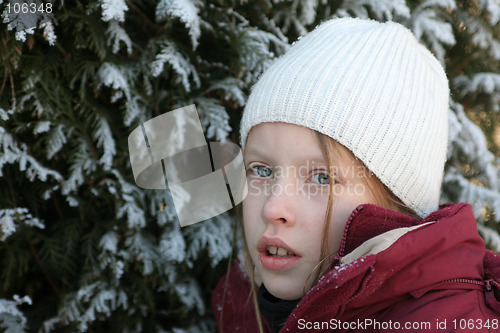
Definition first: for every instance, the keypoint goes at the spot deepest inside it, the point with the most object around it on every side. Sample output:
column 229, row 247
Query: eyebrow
column 320, row 159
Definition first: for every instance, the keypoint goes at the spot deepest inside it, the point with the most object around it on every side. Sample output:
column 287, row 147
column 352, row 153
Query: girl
column 345, row 141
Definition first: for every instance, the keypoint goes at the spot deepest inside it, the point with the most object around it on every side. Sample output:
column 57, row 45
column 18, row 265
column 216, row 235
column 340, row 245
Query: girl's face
column 284, row 211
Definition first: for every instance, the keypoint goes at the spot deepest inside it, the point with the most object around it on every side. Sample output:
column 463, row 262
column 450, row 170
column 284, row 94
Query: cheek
column 315, row 221
column 339, row 216
column 251, row 215
column 250, row 207
column 335, row 236
column 313, row 227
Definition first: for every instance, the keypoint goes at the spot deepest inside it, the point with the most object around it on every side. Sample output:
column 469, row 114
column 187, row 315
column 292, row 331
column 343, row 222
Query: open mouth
column 278, row 252
column 276, row 255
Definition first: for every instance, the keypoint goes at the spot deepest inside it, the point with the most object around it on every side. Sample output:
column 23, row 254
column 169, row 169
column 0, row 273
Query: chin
column 285, row 290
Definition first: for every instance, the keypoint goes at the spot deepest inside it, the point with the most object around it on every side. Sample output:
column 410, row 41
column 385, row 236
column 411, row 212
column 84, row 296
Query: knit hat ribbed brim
column 373, row 88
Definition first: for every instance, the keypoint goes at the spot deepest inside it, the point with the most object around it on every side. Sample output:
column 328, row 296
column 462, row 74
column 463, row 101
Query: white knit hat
column 373, row 88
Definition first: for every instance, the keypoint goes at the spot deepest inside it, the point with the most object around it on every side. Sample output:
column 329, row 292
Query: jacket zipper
column 346, row 228
column 486, row 283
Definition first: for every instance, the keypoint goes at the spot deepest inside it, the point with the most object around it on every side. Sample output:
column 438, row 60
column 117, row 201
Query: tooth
column 290, row 253
column 272, row 249
column 281, row 252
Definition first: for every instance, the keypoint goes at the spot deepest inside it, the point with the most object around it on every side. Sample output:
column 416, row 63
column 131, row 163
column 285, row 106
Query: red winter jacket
column 392, row 273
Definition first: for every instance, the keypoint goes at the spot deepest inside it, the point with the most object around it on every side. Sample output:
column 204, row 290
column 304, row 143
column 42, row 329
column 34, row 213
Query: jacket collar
column 418, row 256
column 368, row 221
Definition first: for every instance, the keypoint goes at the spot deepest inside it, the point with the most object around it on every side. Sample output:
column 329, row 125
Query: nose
column 280, row 205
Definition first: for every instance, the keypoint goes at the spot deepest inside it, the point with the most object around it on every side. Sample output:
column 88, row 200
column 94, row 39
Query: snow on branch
column 303, row 15
column 172, row 244
column 81, row 161
column 468, row 145
column 105, row 141
column 493, row 8
column 56, row 141
column 189, row 293
column 214, row 235
column 480, row 82
column 490, row 236
column 383, row 9
column 113, row 10
column 427, row 24
column 10, row 218
column 186, row 11
column 253, row 47
column 182, row 66
column 479, row 197
column 116, row 77
column 231, row 87
column 214, row 118
column 11, row 319
column 100, row 299
column 128, row 196
column 11, row 152
column 482, row 36
column 140, row 245
column 117, row 35
column 468, row 140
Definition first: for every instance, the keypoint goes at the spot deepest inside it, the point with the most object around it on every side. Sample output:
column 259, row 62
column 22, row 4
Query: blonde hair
column 332, row 151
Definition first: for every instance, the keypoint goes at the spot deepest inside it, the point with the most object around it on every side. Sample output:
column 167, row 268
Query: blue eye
column 321, row 178
column 261, row 171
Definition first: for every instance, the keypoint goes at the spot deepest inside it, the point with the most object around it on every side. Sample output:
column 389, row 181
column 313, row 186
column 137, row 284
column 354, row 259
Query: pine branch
column 157, row 29
column 58, row 206
column 66, row 54
column 85, row 113
column 12, row 192
column 458, row 69
column 92, row 149
column 4, row 82
column 14, row 103
column 47, row 276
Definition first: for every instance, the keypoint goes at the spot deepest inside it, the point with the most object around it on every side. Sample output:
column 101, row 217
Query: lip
column 274, row 263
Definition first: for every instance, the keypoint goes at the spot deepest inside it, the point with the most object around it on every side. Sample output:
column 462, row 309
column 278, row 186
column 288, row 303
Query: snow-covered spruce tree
column 91, row 250
column 82, row 248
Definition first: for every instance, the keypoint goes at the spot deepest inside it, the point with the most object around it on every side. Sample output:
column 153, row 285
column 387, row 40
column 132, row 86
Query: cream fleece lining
column 379, row 243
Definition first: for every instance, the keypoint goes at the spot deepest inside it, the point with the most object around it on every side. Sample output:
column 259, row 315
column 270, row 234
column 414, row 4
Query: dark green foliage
column 96, row 253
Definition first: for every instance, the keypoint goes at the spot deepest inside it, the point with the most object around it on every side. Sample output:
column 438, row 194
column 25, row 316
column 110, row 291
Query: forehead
column 280, row 133
column 283, row 140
